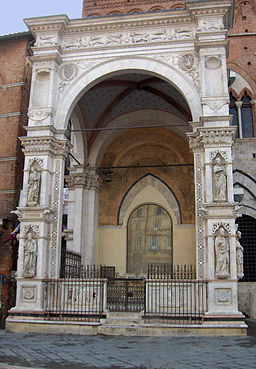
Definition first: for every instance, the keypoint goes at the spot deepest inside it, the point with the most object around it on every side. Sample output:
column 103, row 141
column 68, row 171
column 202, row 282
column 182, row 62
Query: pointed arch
column 139, row 185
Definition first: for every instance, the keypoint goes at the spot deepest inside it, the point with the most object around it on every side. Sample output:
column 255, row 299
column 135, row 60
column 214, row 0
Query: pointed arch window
column 242, row 115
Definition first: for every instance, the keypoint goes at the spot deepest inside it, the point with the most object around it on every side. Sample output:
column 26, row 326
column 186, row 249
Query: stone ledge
column 80, row 328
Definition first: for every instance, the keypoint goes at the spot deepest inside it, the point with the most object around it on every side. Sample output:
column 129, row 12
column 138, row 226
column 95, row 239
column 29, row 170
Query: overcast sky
column 12, row 12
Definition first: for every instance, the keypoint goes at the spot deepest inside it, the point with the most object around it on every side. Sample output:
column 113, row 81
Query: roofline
column 13, row 36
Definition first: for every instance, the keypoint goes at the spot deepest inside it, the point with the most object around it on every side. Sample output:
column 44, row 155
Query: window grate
column 247, row 227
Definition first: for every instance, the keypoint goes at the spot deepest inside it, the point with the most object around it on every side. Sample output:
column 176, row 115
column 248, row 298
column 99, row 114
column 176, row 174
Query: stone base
column 20, row 325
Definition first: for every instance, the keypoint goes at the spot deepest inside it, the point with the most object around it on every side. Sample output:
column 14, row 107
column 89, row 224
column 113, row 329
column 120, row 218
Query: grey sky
column 13, row 12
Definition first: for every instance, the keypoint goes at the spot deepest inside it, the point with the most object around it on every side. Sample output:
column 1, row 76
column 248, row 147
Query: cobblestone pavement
column 91, row 352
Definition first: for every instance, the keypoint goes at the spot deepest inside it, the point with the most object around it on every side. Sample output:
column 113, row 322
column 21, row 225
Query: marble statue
column 239, row 256
column 219, row 181
column 33, row 187
column 221, row 254
column 30, row 256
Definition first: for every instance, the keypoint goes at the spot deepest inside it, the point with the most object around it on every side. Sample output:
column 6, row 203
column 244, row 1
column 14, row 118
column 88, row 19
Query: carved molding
column 39, row 115
column 200, row 215
column 38, row 160
column 45, row 145
column 55, row 209
column 217, row 226
column 209, row 25
column 214, row 154
column 33, row 227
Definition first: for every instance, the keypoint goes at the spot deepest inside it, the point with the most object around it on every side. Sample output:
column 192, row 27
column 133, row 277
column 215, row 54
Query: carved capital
column 88, row 181
column 45, row 145
column 211, row 137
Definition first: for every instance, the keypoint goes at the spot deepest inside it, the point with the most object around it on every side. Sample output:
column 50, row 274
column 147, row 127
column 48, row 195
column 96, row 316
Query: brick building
column 15, row 72
column 125, row 83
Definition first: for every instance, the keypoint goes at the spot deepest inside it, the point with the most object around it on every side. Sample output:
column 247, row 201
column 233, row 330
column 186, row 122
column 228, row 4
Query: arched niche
column 149, row 187
column 117, row 66
column 149, row 238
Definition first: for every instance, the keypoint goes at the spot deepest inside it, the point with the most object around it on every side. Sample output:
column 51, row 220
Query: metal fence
column 74, row 299
column 175, row 301
column 169, row 271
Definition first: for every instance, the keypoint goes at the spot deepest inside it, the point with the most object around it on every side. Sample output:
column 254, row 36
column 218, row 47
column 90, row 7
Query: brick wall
column 103, row 7
column 15, row 75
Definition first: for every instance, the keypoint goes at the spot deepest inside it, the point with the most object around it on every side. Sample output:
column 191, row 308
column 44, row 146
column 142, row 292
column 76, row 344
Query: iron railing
column 74, row 299
column 70, row 264
column 175, row 301
column 169, row 271
column 127, row 295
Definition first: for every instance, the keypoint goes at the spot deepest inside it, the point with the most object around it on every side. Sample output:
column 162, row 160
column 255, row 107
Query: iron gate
column 125, row 294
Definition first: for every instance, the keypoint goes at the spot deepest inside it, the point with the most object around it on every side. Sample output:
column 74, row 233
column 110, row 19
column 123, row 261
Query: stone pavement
column 90, row 352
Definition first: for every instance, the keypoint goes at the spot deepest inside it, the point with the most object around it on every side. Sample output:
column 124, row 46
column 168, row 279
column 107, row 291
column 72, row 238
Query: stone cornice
column 45, row 145
column 131, row 21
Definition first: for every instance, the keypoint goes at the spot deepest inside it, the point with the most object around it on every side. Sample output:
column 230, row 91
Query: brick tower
column 102, row 7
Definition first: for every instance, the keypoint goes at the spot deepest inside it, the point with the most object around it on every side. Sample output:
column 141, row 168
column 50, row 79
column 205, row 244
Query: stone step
column 123, row 319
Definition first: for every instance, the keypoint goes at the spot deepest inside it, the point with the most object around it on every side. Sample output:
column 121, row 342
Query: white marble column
column 40, row 222
column 240, row 125
column 84, row 184
column 216, row 214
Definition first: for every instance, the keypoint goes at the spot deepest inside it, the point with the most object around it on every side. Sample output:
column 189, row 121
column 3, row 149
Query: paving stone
column 83, row 352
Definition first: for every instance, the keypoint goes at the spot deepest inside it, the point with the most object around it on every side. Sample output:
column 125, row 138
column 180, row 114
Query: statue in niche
column 239, row 256
column 30, row 256
column 33, row 187
column 221, row 245
column 219, row 181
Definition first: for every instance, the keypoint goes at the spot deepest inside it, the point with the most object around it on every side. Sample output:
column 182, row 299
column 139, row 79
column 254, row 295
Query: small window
column 156, row 224
column 139, row 212
column 154, row 245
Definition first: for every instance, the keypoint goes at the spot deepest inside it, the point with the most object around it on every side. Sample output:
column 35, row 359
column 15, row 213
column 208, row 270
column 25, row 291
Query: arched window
column 246, row 112
column 247, row 227
column 149, row 238
column 242, row 115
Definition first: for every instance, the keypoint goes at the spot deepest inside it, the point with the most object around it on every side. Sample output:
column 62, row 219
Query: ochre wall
column 143, row 147
column 147, row 147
